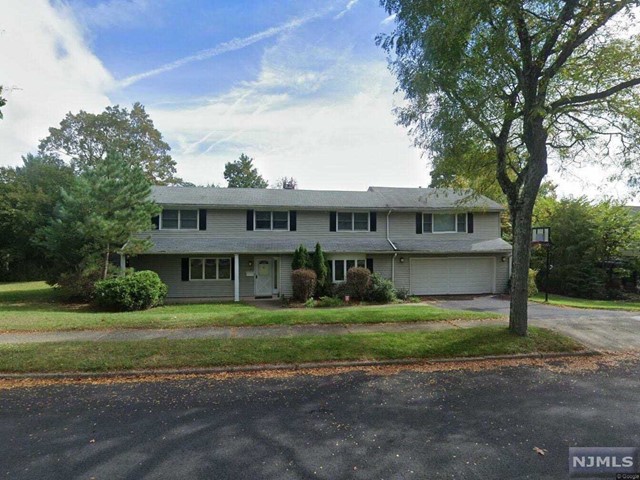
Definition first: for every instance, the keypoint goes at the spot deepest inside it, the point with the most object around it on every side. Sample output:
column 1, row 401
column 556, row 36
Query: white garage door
column 449, row 276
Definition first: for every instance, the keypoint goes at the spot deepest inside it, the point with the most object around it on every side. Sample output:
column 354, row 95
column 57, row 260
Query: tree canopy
column 516, row 81
column 3, row 102
column 287, row 183
column 86, row 138
column 242, row 174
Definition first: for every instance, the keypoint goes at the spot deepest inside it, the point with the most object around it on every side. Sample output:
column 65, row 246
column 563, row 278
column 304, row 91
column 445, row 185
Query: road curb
column 291, row 366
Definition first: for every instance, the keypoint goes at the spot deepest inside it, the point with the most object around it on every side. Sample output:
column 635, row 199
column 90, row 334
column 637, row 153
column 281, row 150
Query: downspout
column 393, row 259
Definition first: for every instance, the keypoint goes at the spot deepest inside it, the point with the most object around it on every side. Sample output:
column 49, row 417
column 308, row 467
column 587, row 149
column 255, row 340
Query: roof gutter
column 388, row 231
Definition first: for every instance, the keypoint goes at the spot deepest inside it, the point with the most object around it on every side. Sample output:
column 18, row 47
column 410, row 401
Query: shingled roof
column 375, row 198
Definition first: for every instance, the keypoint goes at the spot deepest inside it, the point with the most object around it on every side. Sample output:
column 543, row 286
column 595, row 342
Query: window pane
column 170, row 219
column 263, row 220
column 350, row 264
column 361, row 221
column 224, row 269
column 280, row 220
column 189, row 219
column 361, row 264
column 444, row 222
column 196, row 269
column 427, row 223
column 210, row 269
column 462, row 222
column 344, row 221
column 339, row 270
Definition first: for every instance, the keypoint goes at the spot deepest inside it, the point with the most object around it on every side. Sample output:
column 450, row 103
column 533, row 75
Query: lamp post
column 542, row 236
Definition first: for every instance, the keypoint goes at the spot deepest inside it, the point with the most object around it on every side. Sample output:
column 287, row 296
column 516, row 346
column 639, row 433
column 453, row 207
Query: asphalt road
column 462, row 425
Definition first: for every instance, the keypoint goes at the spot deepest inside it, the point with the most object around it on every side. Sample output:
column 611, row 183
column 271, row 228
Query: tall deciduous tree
column 519, row 79
column 286, row 183
column 101, row 214
column 28, row 196
column 242, row 174
column 3, row 102
column 86, row 138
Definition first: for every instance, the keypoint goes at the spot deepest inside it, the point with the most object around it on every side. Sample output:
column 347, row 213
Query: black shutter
column 156, row 222
column 203, row 218
column 233, row 268
column 293, row 220
column 332, row 221
column 373, row 221
column 370, row 264
column 185, row 269
column 249, row 219
column 418, row 223
column 469, row 222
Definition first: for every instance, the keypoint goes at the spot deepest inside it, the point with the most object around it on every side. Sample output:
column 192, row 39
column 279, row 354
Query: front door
column 263, row 277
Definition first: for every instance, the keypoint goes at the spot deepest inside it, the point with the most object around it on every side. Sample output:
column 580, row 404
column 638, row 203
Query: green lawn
column 32, row 306
column 153, row 354
column 586, row 303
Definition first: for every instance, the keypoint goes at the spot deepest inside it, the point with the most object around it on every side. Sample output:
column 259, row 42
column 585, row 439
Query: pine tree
column 301, row 258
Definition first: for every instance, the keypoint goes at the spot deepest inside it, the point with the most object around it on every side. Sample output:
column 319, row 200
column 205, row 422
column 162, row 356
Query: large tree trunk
column 518, row 316
column 105, row 270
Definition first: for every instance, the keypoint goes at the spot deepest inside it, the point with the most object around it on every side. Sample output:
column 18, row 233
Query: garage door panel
column 449, row 276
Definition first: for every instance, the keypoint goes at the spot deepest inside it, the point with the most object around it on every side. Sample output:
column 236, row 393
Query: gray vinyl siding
column 382, row 265
column 286, row 288
column 486, row 226
column 502, row 274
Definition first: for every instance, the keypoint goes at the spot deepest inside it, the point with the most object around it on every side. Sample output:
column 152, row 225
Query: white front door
column 263, row 277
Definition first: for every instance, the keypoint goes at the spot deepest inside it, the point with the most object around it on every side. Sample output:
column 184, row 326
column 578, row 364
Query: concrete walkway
column 236, row 332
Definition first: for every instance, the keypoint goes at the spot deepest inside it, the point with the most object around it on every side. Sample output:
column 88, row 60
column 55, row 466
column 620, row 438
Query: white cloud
column 44, row 55
column 229, row 46
column 111, row 13
column 348, row 6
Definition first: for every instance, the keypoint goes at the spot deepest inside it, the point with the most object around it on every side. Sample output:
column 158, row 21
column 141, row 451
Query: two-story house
column 236, row 242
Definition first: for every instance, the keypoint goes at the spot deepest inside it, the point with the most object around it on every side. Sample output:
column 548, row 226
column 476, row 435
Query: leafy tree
column 242, row 174
column 518, row 79
column 286, row 183
column 101, row 214
column 3, row 102
column 86, row 138
column 301, row 259
column 28, row 196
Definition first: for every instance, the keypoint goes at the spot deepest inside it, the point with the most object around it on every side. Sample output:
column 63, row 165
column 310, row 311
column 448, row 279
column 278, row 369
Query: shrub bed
column 136, row 291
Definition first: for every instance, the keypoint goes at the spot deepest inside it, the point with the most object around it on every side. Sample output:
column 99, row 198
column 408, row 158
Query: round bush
column 358, row 282
column 303, row 282
column 380, row 290
column 136, row 291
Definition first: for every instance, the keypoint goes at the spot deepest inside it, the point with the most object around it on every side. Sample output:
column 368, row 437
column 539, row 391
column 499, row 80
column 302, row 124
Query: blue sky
column 298, row 85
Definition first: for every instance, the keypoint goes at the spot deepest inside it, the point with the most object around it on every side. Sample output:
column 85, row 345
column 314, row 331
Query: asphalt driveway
column 457, row 424
column 599, row 329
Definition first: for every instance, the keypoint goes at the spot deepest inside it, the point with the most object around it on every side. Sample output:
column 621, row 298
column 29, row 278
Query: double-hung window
column 210, row 269
column 444, row 222
column 272, row 220
column 340, row 267
column 173, row 219
column 353, row 221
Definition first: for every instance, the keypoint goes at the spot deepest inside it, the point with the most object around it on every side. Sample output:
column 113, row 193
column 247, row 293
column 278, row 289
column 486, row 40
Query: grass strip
column 154, row 354
column 563, row 301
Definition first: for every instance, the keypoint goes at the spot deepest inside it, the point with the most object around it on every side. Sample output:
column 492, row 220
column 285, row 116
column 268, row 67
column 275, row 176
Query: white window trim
column 353, row 222
column 160, row 227
column 217, row 259
column 344, row 259
column 466, row 222
column 255, row 222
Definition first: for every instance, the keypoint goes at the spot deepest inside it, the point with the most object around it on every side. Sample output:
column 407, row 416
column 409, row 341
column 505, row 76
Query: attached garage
column 452, row 275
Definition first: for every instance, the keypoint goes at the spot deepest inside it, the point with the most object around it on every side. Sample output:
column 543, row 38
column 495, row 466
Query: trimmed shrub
column 321, row 268
column 358, row 279
column 329, row 302
column 303, row 281
column 533, row 288
column 402, row 293
column 380, row 290
column 136, row 291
